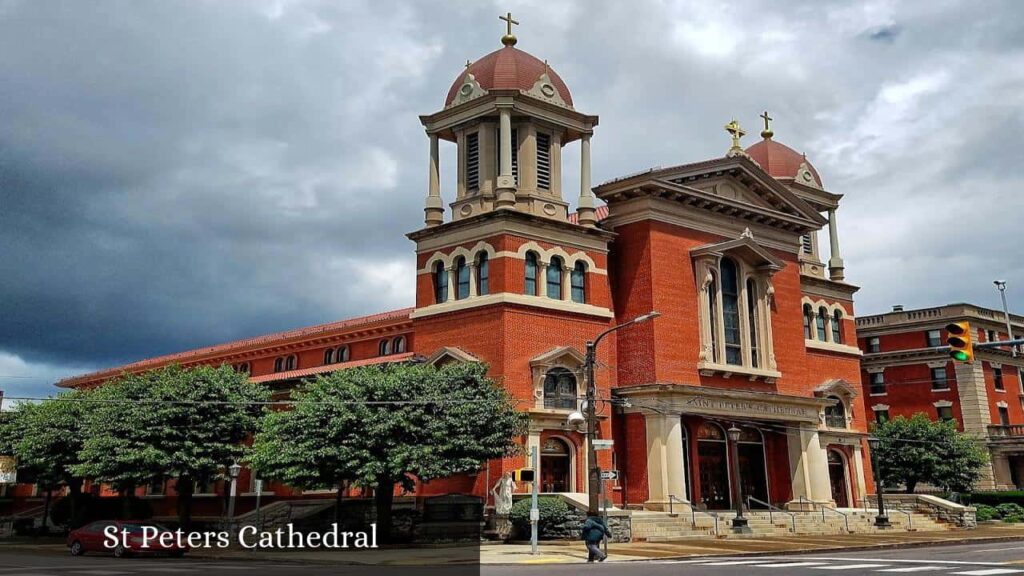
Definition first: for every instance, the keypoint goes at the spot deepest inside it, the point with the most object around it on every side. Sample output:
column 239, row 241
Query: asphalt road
column 986, row 559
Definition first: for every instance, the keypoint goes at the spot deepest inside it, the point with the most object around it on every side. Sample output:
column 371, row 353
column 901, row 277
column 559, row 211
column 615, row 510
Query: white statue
column 502, row 491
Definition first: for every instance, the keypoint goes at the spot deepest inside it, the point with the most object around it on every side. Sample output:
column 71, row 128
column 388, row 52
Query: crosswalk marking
column 851, row 566
column 734, row 562
column 989, row 572
column 915, row 569
column 789, row 564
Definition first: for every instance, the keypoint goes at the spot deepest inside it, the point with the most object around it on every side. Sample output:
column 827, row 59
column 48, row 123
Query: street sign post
column 534, row 509
column 603, row 444
column 609, row 475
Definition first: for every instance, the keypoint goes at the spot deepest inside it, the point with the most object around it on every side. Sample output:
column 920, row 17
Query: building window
column 440, row 283
column 577, row 281
column 342, row 355
column 555, row 278
column 543, row 161
column 997, row 378
column 483, row 274
column 874, row 344
column 877, row 384
column 835, row 415
column 278, row 364
column 933, row 338
column 398, row 345
column 881, row 416
column 242, row 368
column 990, row 336
column 1004, row 416
column 384, row 348
column 939, row 380
column 822, row 318
column 531, row 274
column 560, row 389
column 472, row 161
column 944, row 412
column 291, row 362
column 837, row 326
column 752, row 321
column 713, row 313
column 731, row 312
column 462, row 277
column 808, row 320
column 329, row 356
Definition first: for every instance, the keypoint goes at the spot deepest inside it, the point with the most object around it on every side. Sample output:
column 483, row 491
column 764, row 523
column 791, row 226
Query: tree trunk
column 75, row 494
column 127, row 493
column 384, row 497
column 46, row 509
column 185, row 487
column 337, row 502
column 911, row 484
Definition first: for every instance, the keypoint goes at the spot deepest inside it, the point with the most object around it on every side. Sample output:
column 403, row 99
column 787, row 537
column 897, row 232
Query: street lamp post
column 1001, row 286
column 882, row 520
column 593, row 469
column 233, row 472
column 739, row 523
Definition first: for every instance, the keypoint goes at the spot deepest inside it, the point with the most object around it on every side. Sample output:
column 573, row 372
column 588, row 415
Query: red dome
column 509, row 69
column 779, row 160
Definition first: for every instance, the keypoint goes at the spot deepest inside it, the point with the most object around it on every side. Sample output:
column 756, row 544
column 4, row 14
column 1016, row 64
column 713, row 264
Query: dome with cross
column 781, row 161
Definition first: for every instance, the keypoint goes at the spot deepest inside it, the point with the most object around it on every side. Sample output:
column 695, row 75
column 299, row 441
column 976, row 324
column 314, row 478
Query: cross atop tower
column 767, row 132
column 734, row 130
column 508, row 39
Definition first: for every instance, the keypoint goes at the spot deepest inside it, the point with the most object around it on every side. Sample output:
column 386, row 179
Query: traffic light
column 523, row 475
column 960, row 342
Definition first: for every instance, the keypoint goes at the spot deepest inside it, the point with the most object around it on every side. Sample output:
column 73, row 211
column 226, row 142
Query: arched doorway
column 837, row 479
column 555, row 466
column 713, row 466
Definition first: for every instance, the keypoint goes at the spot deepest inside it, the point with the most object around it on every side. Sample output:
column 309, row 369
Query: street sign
column 609, row 474
column 8, row 470
column 603, row 444
column 258, row 485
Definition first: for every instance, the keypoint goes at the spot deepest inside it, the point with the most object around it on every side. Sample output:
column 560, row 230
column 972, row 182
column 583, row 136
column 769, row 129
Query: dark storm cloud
column 175, row 174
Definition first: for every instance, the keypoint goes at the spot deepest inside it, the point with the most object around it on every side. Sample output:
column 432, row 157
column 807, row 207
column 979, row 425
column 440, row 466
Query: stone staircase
column 663, row 527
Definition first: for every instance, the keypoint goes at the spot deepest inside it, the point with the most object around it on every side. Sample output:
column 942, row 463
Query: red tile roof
column 779, row 160
column 238, row 346
column 293, row 374
column 601, row 212
column 508, row 68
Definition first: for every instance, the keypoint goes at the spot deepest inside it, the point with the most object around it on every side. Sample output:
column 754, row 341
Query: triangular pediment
column 449, row 354
column 566, row 355
column 838, row 387
column 746, row 247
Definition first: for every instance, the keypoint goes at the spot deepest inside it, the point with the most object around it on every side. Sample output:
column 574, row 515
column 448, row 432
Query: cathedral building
column 756, row 328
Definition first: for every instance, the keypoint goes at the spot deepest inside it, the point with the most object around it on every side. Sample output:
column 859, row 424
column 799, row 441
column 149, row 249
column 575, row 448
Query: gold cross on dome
column 767, row 132
column 734, row 130
column 508, row 39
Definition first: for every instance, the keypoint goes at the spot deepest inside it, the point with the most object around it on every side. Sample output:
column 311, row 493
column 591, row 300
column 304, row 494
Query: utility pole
column 1001, row 286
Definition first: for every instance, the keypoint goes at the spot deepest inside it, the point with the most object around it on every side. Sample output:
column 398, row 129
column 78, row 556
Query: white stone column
column 666, row 467
column 506, row 183
column 860, row 491
column 587, row 216
column 434, row 210
column 473, row 289
column 542, row 278
column 566, row 283
column 835, row 261
column 1001, row 471
column 808, row 465
column 453, row 283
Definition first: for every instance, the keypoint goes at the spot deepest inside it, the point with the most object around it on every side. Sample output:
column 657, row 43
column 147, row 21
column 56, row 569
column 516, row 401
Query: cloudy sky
column 174, row 174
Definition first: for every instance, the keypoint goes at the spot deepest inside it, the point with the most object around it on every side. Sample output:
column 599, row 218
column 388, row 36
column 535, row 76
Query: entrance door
column 713, row 467
column 752, row 473
column 837, row 478
column 555, row 460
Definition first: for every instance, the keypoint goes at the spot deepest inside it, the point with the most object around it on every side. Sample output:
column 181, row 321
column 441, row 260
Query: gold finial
column 468, row 63
column 767, row 132
column 508, row 39
column 734, row 130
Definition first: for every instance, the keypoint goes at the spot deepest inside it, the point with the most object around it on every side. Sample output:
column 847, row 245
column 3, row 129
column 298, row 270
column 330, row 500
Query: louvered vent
column 472, row 161
column 543, row 161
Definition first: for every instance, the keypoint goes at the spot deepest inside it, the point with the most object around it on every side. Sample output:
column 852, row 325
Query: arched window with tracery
column 462, row 277
column 752, row 321
column 577, row 281
column 808, row 322
column 560, row 389
column 530, row 286
column 731, row 312
column 342, row 355
column 329, row 356
column 278, row 364
column 555, row 278
column 713, row 317
column 835, row 415
column 440, row 283
column 398, row 345
column 291, row 363
column 384, row 348
column 822, row 319
column 483, row 275
column 837, row 326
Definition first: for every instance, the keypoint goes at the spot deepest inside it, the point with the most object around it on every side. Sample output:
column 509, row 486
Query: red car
column 94, row 538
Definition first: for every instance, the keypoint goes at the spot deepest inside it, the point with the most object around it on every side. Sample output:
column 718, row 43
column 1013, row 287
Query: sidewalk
column 573, row 552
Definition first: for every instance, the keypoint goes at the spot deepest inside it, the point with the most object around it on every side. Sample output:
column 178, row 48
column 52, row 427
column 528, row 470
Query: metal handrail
column 846, row 517
column 910, row 515
column 672, row 498
column 771, row 508
column 693, row 512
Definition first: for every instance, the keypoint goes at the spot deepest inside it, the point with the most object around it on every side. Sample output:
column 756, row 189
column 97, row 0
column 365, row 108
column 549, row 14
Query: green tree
column 187, row 424
column 385, row 425
column 49, row 441
column 918, row 450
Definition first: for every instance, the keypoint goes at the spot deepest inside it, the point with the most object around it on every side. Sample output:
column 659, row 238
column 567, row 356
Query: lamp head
column 234, row 470
column 576, row 418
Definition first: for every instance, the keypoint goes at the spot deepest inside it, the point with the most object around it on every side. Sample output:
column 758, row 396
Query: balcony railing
column 1011, row 431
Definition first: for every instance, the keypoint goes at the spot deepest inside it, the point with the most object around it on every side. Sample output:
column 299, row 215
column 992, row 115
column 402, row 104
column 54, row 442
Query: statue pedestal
column 503, row 526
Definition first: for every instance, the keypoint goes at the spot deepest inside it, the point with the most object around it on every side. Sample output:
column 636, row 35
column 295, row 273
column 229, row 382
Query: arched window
column 329, row 356
column 577, row 281
column 560, row 389
column 752, row 320
column 713, row 316
column 291, row 363
column 440, row 283
column 384, row 348
column 731, row 312
column 837, row 326
column 462, row 276
column 398, row 345
column 483, row 275
column 242, row 368
column 808, row 320
column 835, row 416
column 555, row 278
column 278, row 364
column 342, row 355
column 822, row 318
column 531, row 274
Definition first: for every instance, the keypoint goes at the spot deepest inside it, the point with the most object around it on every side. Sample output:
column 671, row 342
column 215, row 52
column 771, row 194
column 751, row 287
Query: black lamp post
column 739, row 523
column 882, row 520
column 233, row 471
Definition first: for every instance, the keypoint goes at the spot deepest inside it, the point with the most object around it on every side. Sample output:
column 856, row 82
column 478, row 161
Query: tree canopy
column 379, row 426
column 919, row 450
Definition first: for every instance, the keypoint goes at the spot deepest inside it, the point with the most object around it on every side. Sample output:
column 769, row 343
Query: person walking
column 594, row 530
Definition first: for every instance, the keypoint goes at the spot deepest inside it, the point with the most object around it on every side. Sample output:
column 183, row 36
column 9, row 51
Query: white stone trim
column 938, row 364
column 880, row 407
column 1002, row 404
column 543, row 256
column 942, row 404
column 509, row 298
column 998, row 365
column 875, row 369
column 833, row 347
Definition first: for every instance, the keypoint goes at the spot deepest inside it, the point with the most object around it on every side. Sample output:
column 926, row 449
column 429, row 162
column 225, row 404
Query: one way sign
column 609, row 474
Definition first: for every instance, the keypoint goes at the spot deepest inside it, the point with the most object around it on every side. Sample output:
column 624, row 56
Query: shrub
column 986, row 513
column 1014, row 518
column 553, row 512
column 994, row 498
column 1009, row 510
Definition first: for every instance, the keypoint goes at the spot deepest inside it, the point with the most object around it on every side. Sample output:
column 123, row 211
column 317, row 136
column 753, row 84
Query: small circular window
column 547, row 90
column 466, row 89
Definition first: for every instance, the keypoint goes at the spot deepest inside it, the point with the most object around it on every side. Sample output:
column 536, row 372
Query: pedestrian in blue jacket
column 594, row 530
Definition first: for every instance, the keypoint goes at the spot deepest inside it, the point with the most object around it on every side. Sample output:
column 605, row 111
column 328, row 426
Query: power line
column 86, row 399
